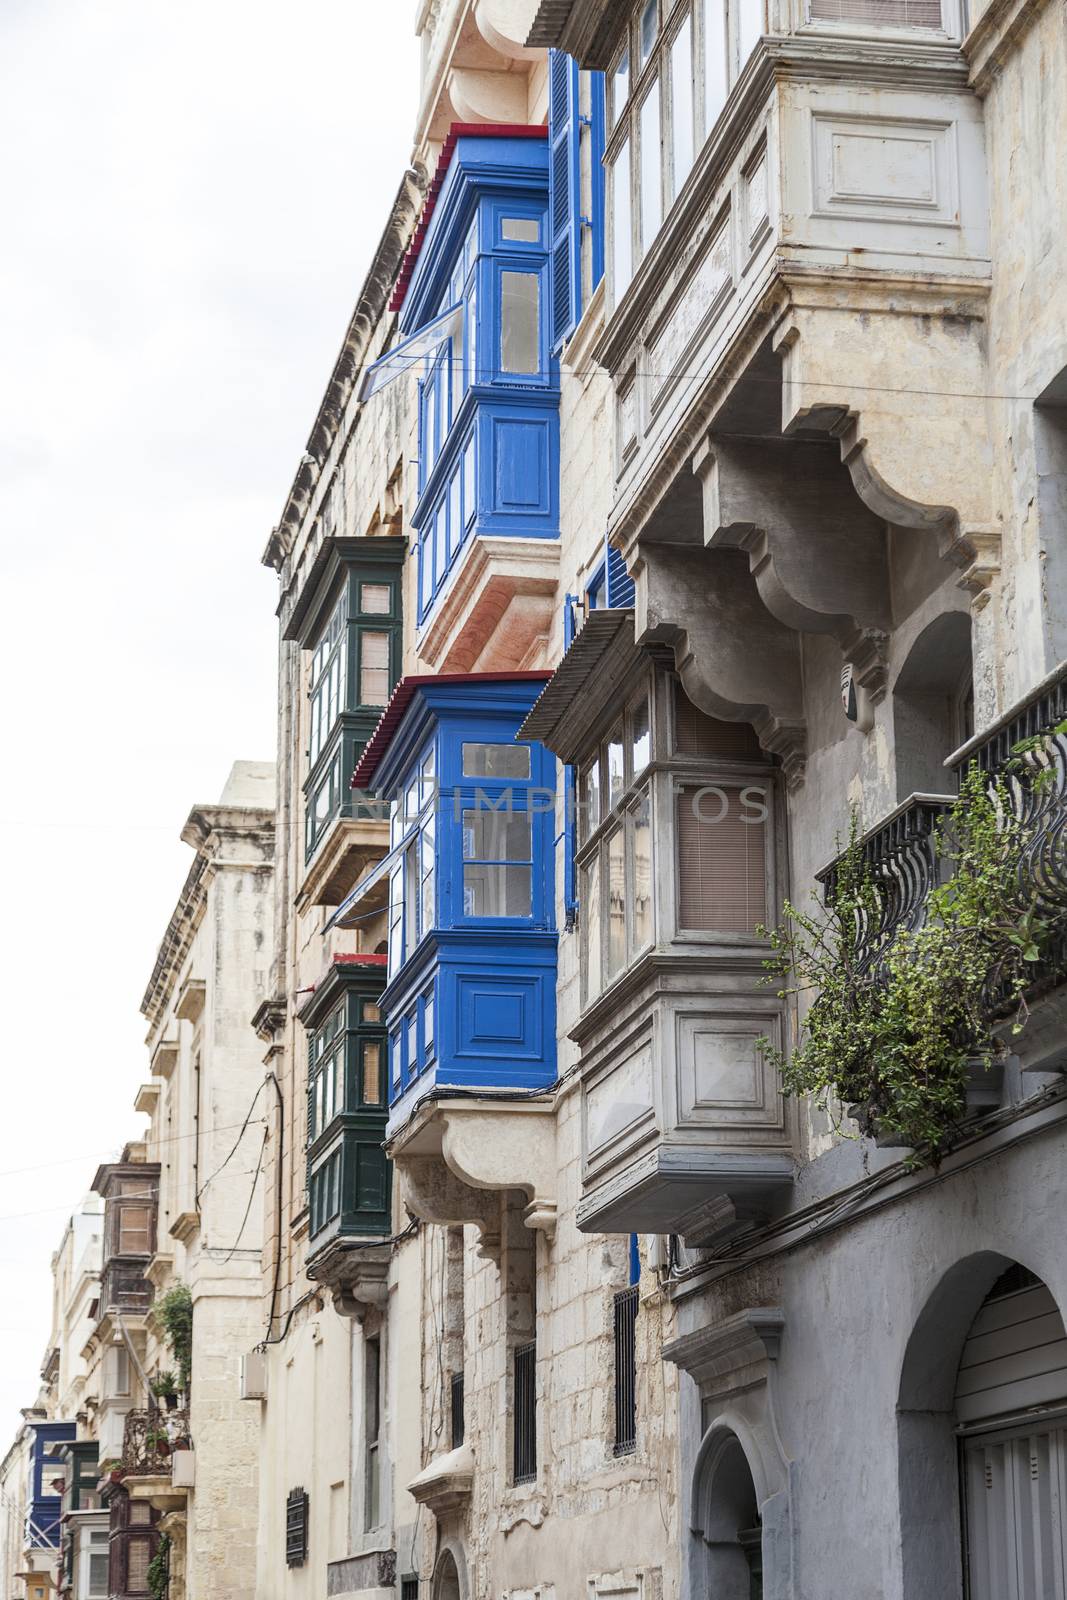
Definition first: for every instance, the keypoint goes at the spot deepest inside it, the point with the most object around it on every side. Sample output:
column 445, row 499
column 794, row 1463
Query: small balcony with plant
column 939, row 954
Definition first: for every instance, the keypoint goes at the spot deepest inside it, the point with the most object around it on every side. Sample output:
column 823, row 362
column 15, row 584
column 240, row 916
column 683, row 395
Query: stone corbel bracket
column 510, row 1145
column 432, row 1193
column 736, row 660
column 357, row 1277
column 817, row 553
column 906, row 398
column 445, row 1485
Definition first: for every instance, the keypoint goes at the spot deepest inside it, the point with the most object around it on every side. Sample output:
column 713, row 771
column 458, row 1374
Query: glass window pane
column 426, row 775
column 590, row 800
column 590, row 912
column 749, row 28
column 373, row 669
column 371, row 1011
column 681, row 106
column 428, row 1021
column 616, row 907
column 372, row 1072
column 641, row 835
column 646, row 31
column 440, row 544
column 455, row 516
column 496, row 891
column 616, row 774
column 620, row 86
column 651, row 187
column 496, row 761
column 375, row 598
column 413, row 1044
column 714, row 61
column 621, row 224
column 640, row 739
column 519, row 320
column 429, row 431
column 496, row 835
column 469, row 501
column 526, row 229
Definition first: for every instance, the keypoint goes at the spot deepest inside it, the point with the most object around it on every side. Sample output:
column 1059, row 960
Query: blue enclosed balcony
column 48, row 1472
column 469, row 1003
column 475, row 316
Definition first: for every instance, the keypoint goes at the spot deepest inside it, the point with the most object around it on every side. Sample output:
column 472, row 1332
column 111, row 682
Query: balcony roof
column 391, row 718
column 458, row 130
column 585, row 684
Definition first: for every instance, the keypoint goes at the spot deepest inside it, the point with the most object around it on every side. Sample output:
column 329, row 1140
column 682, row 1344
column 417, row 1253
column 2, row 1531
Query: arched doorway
column 982, row 1420
column 1011, row 1417
column 728, row 1523
column 446, row 1578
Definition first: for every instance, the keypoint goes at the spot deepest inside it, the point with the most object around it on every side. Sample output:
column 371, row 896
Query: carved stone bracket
column 445, row 1485
column 817, row 553
column 430, row 1191
column 919, row 452
column 357, row 1276
column 736, row 661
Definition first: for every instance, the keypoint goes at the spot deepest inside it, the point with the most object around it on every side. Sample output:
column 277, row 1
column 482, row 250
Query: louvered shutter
column 619, row 585
column 722, row 861
column 564, row 195
column 883, row 13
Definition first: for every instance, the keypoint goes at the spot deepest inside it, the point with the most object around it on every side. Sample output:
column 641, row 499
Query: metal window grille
column 458, row 1420
column 296, row 1528
column 409, row 1589
column 626, row 1370
column 525, row 1417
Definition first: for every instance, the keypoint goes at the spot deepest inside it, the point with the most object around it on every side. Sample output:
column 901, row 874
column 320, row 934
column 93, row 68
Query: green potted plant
column 165, row 1387
column 174, row 1310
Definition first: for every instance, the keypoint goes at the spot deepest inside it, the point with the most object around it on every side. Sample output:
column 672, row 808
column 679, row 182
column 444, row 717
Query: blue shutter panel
column 619, row 584
column 564, row 195
column 598, row 136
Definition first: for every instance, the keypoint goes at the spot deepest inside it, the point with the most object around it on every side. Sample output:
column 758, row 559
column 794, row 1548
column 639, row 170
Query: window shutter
column 564, row 196
column 619, row 585
column 722, row 862
column 887, row 13
column 296, row 1528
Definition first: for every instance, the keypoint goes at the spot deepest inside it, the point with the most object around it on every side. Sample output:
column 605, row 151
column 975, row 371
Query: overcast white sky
column 191, row 194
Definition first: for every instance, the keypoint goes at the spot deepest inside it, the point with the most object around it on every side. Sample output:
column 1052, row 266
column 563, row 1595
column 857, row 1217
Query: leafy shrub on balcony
column 174, row 1310
column 896, row 1037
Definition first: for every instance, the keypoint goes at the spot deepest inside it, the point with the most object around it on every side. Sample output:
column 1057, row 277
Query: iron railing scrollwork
column 150, row 1440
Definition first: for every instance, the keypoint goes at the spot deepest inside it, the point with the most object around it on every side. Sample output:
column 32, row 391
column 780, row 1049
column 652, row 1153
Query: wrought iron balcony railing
column 150, row 1440
column 900, row 857
column 1026, row 751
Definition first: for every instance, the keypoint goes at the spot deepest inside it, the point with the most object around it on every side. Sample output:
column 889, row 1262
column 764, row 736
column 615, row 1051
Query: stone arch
column 927, row 1461
column 931, row 693
column 738, row 1514
column 450, row 1580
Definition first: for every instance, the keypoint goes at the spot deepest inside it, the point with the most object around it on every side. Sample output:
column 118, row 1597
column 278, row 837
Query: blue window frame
column 470, row 998
column 477, row 316
column 567, row 124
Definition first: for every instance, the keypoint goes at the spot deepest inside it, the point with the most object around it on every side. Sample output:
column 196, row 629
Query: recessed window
column 524, row 230
column 520, row 301
column 496, row 761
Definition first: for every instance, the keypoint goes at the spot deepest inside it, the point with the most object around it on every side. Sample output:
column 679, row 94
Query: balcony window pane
column 590, row 904
column 496, row 836
column 396, row 920
column 134, row 1228
column 640, row 739
column 428, row 1021
column 621, row 223
column 496, row 761
column 641, row 834
column 651, row 184
column 749, row 28
column 714, row 61
column 470, row 337
column 722, row 861
column 647, row 28
column 890, row 13
column 620, row 86
column 413, row 1045
column 440, row 544
column 429, row 428
column 375, row 599
column 616, row 770
column 427, row 776
column 520, row 295
column 616, row 904
column 590, row 800
column 527, row 230
column 373, row 669
column 372, row 1072
column 427, row 918
column 496, row 891
column 371, row 1011
column 681, row 105
column 455, row 516
column 469, row 502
